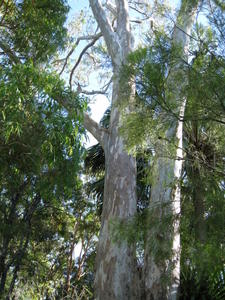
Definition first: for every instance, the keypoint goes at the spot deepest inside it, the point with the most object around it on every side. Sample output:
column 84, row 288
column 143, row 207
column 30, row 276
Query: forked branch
column 101, row 91
column 94, row 40
column 111, row 38
column 95, row 129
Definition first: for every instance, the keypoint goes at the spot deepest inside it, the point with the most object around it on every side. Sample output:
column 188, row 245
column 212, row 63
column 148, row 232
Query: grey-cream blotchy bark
column 115, row 261
column 162, row 274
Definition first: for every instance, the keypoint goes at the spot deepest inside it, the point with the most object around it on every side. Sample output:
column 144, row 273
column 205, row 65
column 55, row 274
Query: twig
column 97, row 36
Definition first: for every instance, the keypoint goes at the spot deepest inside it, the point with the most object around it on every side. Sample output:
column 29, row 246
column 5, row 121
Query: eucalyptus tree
column 162, row 274
column 158, row 106
column 115, row 263
column 116, row 270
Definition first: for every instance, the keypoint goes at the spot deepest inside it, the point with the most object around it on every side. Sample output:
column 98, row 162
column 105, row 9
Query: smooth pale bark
column 115, row 262
column 162, row 274
column 116, row 269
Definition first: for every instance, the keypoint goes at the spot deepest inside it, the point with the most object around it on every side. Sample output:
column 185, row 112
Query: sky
column 99, row 103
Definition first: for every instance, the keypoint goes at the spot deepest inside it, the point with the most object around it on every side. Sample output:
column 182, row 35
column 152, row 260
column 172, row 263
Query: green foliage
column 34, row 27
column 153, row 226
column 40, row 153
column 201, row 82
column 35, row 131
column 40, row 146
column 207, row 285
column 155, row 108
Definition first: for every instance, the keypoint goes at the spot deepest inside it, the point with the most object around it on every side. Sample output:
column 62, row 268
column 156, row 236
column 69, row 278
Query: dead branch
column 97, row 36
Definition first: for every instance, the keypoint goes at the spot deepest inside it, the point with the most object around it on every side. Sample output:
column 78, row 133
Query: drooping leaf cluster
column 40, row 146
column 32, row 29
column 149, row 68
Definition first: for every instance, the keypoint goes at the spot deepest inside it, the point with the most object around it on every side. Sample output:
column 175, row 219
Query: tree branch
column 95, row 129
column 93, row 92
column 122, row 17
column 89, row 124
column 9, row 53
column 111, row 8
column 110, row 36
column 185, row 19
column 102, row 91
column 97, row 36
column 81, row 38
column 146, row 16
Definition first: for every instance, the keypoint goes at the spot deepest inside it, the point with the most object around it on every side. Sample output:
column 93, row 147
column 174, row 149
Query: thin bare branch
column 81, row 38
column 92, row 57
column 93, row 127
column 93, row 92
column 102, row 91
column 136, row 21
column 111, row 7
column 12, row 56
column 97, row 36
column 140, row 12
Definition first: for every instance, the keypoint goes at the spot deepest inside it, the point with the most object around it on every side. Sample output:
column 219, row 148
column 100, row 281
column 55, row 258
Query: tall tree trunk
column 162, row 253
column 115, row 262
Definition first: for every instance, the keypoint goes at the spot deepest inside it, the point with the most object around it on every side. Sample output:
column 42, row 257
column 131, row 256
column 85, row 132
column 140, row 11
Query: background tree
column 204, row 113
column 40, row 147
